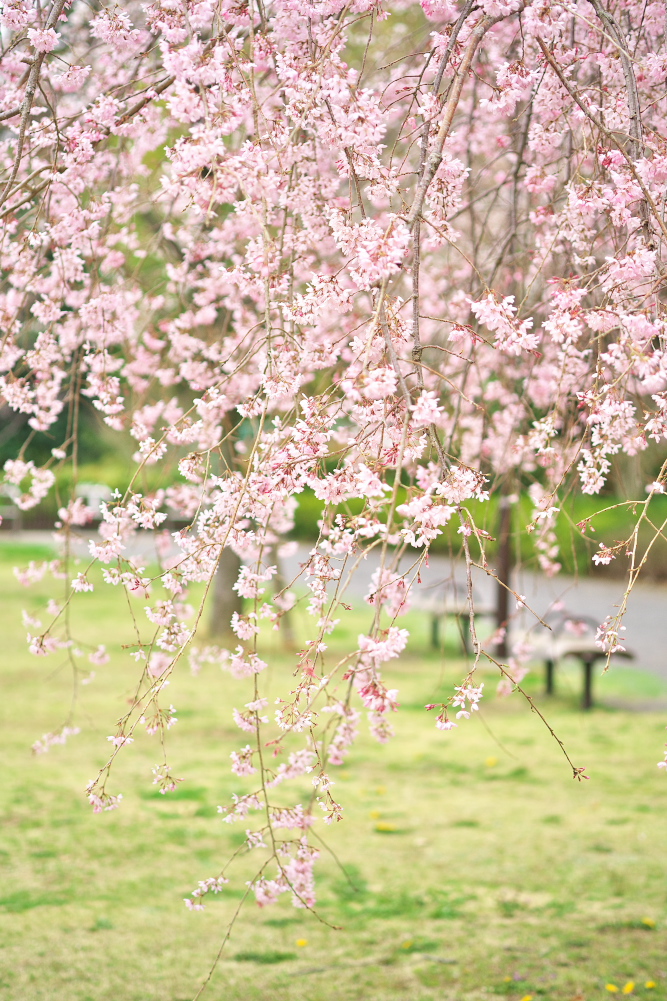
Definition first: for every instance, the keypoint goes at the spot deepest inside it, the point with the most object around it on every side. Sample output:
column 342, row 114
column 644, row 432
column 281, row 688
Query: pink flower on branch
column 43, row 40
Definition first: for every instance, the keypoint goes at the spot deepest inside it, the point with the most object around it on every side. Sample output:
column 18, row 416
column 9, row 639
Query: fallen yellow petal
column 301, row 942
column 491, row 762
column 649, row 922
column 384, row 826
column 612, row 988
column 650, row 984
column 629, row 987
column 528, row 997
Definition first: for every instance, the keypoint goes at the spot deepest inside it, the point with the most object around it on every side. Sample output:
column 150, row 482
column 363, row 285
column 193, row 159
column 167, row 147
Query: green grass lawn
column 475, row 866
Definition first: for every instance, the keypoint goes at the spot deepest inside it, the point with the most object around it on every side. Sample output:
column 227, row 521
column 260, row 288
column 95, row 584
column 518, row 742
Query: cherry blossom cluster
column 294, row 249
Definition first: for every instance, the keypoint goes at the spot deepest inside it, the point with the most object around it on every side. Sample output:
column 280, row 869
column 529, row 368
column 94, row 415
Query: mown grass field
column 477, row 867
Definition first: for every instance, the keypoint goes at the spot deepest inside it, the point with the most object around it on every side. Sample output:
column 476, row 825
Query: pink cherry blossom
column 43, row 40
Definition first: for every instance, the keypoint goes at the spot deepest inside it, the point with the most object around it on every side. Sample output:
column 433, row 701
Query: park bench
column 93, row 494
column 578, row 645
column 10, row 512
column 442, row 606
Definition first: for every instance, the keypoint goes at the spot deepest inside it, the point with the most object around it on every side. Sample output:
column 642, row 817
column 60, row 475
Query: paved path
column 645, row 621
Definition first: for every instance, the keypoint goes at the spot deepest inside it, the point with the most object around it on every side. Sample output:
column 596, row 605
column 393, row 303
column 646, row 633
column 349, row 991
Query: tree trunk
column 279, row 584
column 504, row 572
column 225, row 601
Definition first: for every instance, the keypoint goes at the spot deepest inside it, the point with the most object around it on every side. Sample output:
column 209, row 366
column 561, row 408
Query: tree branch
column 606, row 133
column 26, row 106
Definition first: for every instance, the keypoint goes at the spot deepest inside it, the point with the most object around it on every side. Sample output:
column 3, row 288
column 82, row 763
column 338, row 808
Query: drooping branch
column 657, row 216
column 434, row 158
column 634, row 105
column 26, row 104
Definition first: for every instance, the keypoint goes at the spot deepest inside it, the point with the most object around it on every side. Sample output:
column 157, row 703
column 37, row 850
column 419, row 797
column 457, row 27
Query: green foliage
column 95, row 442
column 608, row 519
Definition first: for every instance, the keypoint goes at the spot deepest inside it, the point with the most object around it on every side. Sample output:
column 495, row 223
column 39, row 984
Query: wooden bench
column 440, row 607
column 9, row 509
column 93, row 494
column 560, row 644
